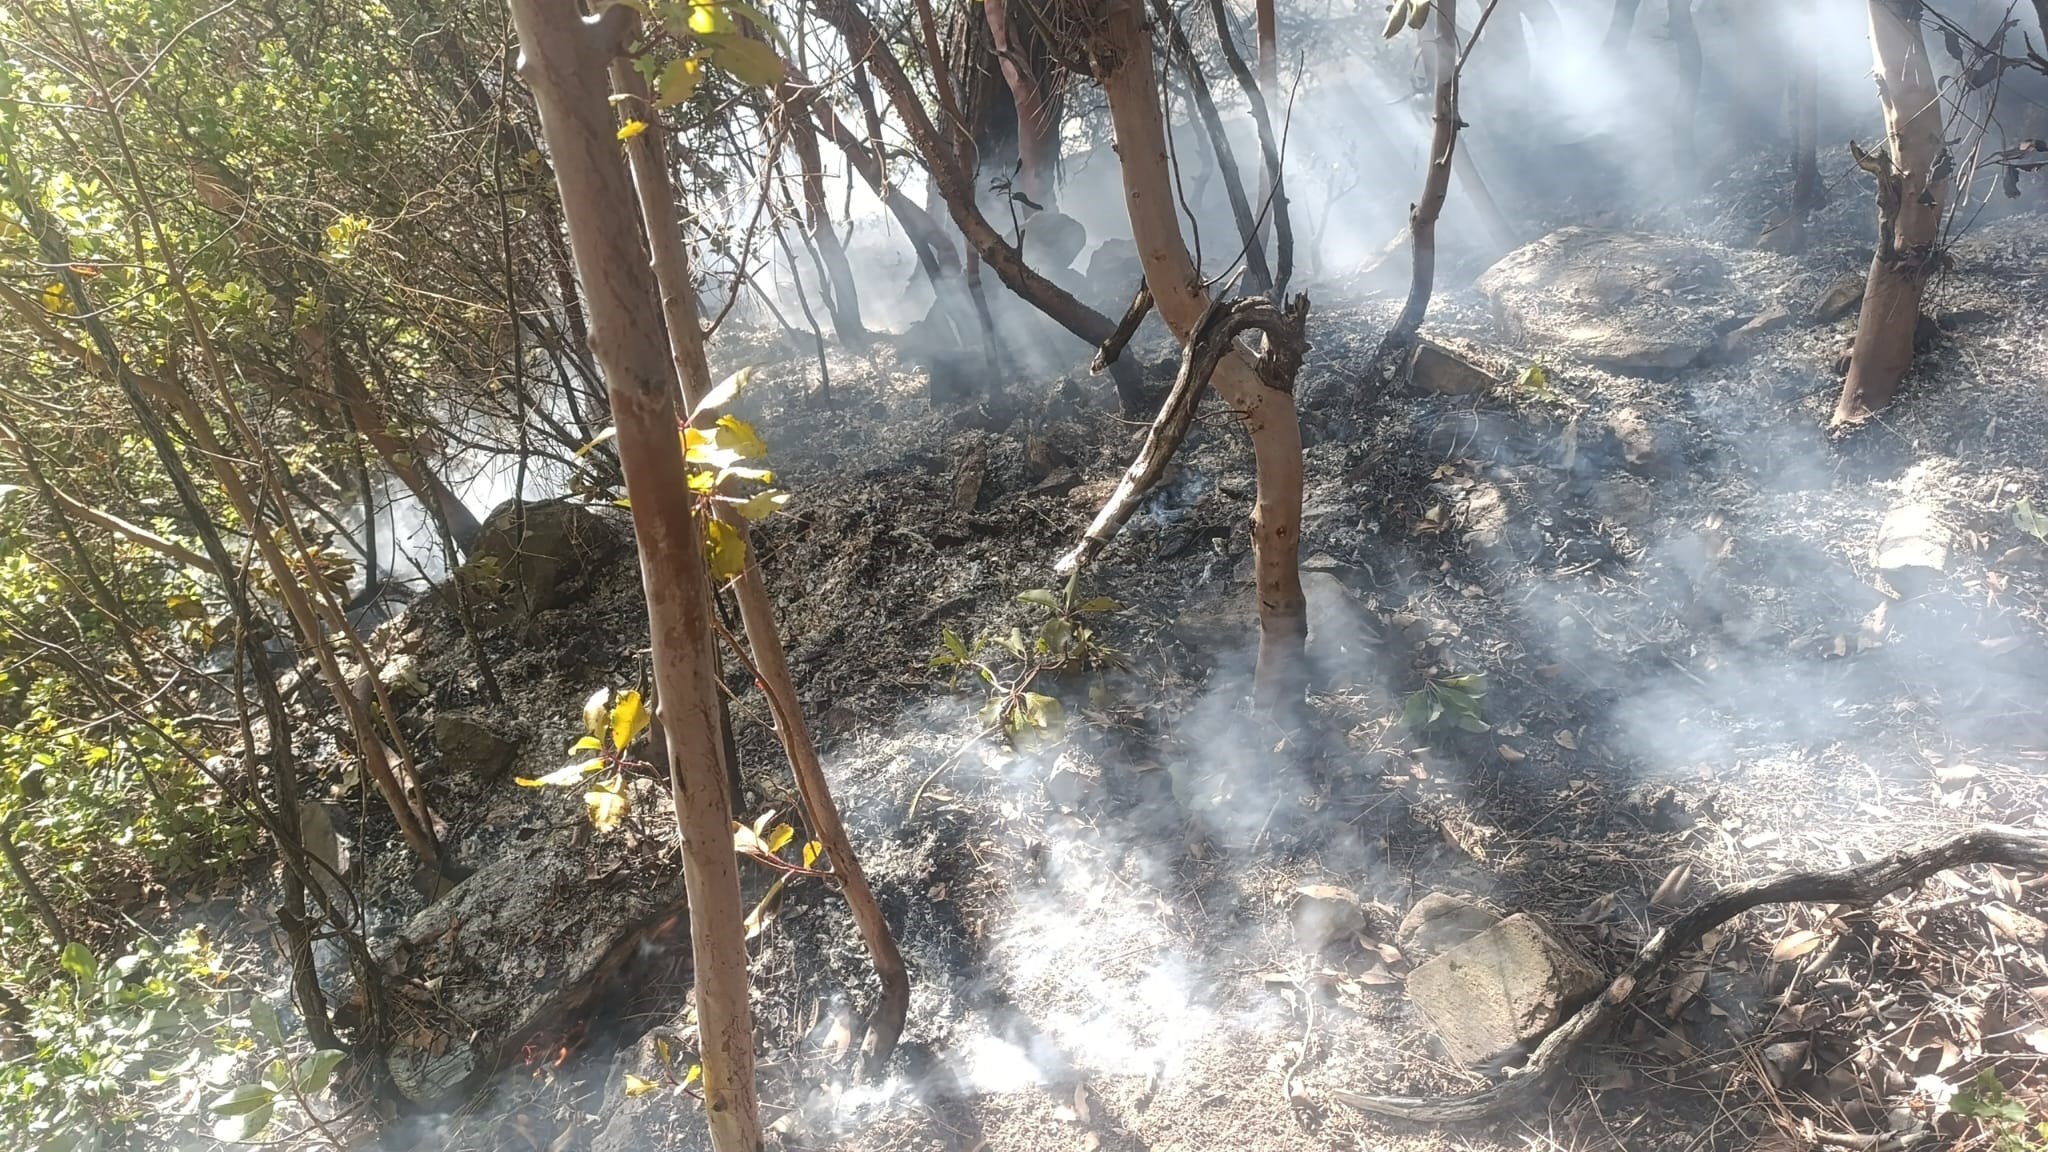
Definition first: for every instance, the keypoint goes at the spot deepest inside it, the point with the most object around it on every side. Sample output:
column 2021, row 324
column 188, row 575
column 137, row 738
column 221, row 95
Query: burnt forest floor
column 1690, row 663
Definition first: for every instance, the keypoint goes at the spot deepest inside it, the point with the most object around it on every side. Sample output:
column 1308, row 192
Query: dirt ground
column 1690, row 663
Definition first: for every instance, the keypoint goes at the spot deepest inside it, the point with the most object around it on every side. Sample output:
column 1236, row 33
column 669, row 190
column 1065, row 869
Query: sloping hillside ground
column 1666, row 577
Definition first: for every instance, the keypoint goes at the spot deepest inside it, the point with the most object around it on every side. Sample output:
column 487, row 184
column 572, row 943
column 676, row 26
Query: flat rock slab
column 1502, row 988
column 1440, row 921
column 1627, row 302
column 519, row 949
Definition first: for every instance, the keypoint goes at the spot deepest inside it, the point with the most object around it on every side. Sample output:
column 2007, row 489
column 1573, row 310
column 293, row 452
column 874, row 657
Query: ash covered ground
column 1693, row 668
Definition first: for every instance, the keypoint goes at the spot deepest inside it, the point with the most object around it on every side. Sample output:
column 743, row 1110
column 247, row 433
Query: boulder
column 1641, row 445
column 533, row 556
column 1624, row 301
column 475, row 743
column 518, row 952
column 1742, row 341
column 1440, row 921
column 1501, row 989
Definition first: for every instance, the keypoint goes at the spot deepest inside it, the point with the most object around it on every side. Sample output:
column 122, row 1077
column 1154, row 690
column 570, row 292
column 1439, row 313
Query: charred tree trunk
column 1912, row 192
column 671, row 265
column 1267, row 413
column 564, row 59
column 1266, row 24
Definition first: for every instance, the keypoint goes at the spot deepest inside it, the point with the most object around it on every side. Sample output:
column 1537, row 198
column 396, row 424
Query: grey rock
column 1501, row 989
column 1912, row 548
column 1440, row 921
column 539, row 560
column 1325, row 914
column 518, row 950
column 1742, row 341
column 1625, row 301
column 1842, row 296
column 1641, row 444
column 1435, row 368
column 475, row 743
column 1337, row 637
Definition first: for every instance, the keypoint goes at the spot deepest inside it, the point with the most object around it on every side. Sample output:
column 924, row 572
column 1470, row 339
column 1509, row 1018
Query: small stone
column 1742, row 341
column 1440, row 921
column 1501, row 989
column 1912, row 548
column 1325, row 914
column 1336, row 634
column 1435, row 368
column 1640, row 444
column 474, row 743
column 1840, row 299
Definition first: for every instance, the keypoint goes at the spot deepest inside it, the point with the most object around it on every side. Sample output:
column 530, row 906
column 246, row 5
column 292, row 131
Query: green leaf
column 313, row 1073
column 1415, row 713
column 1100, row 604
column 758, row 19
column 244, row 1126
column 1043, row 597
column 1055, row 637
column 751, row 62
column 2031, row 522
column 263, row 1015
column 1045, row 712
column 77, row 959
column 243, row 1100
column 955, row 644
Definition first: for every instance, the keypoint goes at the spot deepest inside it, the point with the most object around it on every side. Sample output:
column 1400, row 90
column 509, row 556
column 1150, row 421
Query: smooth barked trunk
column 564, row 59
column 1910, row 204
column 1267, row 414
column 645, row 154
column 1436, row 183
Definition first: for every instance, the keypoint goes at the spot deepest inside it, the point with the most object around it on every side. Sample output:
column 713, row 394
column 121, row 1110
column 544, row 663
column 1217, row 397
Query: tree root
column 1859, row 885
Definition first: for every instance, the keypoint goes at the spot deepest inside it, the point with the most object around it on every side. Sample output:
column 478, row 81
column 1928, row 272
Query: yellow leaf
column 632, row 128
column 707, row 20
column 728, row 556
column 679, row 81
column 600, row 438
column 55, row 299
column 779, row 837
column 636, row 1087
column 595, row 710
column 764, row 912
column 695, row 1074
column 812, row 851
column 629, row 720
column 738, row 437
column 763, row 505
column 703, row 480
column 587, row 744
column 726, row 391
column 607, row 806
column 562, row 777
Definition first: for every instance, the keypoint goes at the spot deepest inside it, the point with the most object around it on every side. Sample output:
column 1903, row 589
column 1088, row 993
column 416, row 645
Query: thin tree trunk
column 956, row 187
column 843, row 300
column 1912, row 191
column 26, row 880
column 1266, row 25
column 1620, row 25
column 671, row 265
column 1685, row 37
column 1250, row 227
column 565, row 59
column 1038, row 140
column 1266, row 413
column 1274, row 203
column 1443, row 146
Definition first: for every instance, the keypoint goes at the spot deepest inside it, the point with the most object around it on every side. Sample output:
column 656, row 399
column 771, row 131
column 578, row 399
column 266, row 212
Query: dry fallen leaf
column 1683, row 989
column 2017, row 925
column 1796, row 945
column 1512, row 755
column 1673, row 890
column 1565, row 739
